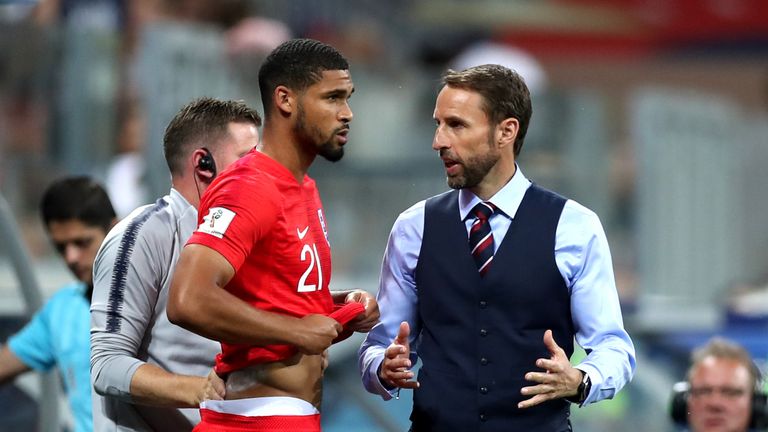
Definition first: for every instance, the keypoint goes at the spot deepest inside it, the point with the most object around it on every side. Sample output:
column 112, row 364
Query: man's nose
column 346, row 114
column 439, row 142
column 716, row 401
column 71, row 254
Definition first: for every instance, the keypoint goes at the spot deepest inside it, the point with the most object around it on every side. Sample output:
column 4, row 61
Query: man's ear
column 202, row 173
column 284, row 99
column 506, row 132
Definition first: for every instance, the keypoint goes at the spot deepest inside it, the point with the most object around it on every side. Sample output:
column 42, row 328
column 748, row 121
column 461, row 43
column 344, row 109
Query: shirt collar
column 507, row 199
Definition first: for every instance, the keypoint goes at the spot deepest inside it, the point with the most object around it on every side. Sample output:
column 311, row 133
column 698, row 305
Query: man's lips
column 342, row 135
column 451, row 166
column 714, row 421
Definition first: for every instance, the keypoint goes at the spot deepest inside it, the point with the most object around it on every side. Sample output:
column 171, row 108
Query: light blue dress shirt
column 59, row 335
column 582, row 256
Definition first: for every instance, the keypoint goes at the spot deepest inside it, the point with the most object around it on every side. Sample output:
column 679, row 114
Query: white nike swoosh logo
column 301, row 234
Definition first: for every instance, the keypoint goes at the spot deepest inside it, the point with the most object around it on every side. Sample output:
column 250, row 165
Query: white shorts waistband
column 261, row 406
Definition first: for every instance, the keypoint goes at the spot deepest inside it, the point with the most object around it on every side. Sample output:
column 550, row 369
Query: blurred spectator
column 256, row 35
column 723, row 394
column 106, row 14
column 77, row 215
column 124, row 177
column 193, row 48
column 488, row 52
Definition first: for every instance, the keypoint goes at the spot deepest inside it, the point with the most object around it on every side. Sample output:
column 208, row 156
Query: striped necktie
column 481, row 237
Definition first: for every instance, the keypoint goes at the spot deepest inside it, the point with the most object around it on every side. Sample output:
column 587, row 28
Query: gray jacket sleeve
column 129, row 270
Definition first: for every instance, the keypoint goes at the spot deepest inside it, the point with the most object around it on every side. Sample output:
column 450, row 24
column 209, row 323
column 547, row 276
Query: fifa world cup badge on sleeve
column 216, row 221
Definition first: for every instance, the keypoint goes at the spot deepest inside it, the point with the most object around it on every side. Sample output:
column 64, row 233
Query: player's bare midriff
column 299, row 376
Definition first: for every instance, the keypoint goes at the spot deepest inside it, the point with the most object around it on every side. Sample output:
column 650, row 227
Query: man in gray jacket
column 152, row 374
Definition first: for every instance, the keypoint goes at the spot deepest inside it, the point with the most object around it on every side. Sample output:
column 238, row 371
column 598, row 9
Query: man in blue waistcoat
column 489, row 283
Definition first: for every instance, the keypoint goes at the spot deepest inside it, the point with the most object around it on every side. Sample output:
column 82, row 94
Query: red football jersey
column 272, row 230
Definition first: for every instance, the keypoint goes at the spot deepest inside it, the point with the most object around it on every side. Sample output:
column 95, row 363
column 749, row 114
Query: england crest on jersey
column 322, row 224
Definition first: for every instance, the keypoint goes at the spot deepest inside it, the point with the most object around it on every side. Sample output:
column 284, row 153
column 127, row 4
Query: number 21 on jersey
column 309, row 253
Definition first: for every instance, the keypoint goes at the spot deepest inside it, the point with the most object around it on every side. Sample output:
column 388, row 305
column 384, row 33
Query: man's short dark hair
column 202, row 123
column 297, row 64
column 79, row 198
column 504, row 94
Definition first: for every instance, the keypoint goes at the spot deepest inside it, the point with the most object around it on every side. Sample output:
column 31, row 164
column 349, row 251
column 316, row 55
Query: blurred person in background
column 482, row 313
column 722, row 379
column 125, row 172
column 203, row 48
column 77, row 214
column 490, row 52
column 255, row 275
column 152, row 373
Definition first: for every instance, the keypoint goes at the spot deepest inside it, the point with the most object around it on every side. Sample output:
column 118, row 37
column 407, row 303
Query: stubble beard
column 331, row 152
column 475, row 170
column 311, row 135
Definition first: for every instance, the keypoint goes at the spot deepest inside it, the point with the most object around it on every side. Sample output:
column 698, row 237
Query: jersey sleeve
column 33, row 344
column 236, row 215
column 129, row 271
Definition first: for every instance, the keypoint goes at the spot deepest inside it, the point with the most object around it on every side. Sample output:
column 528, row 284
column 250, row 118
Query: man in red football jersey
column 255, row 274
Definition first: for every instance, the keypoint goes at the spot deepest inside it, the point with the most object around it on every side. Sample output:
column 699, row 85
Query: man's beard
column 329, row 152
column 475, row 170
column 308, row 134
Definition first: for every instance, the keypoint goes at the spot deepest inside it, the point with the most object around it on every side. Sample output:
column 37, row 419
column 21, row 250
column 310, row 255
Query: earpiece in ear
column 207, row 163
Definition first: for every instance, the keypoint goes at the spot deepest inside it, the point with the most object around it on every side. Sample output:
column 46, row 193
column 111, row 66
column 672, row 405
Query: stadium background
column 652, row 113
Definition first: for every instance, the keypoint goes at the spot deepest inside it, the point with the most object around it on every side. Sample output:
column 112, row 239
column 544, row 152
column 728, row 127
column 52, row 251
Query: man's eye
column 82, row 243
column 701, row 391
column 732, row 392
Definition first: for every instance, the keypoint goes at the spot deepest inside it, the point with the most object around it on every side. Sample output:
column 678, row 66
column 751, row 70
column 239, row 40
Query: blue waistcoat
column 481, row 335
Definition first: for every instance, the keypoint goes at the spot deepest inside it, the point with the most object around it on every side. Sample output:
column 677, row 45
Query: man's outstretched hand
column 559, row 379
column 396, row 368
